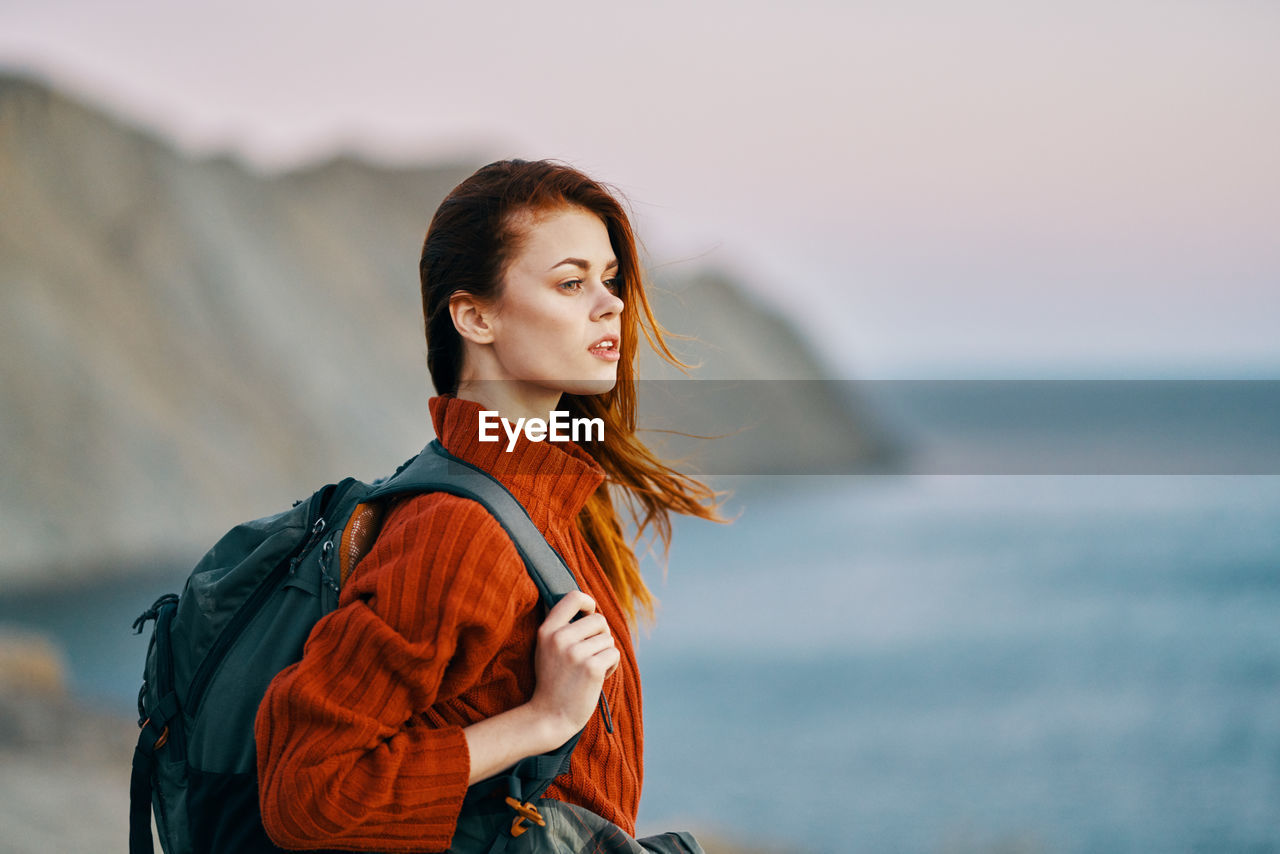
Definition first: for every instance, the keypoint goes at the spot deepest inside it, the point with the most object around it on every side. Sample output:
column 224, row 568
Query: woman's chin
column 586, row 387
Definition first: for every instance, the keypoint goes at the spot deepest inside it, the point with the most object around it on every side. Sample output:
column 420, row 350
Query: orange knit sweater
column 360, row 743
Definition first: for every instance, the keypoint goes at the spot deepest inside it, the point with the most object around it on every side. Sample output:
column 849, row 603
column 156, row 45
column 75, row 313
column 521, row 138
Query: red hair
column 472, row 239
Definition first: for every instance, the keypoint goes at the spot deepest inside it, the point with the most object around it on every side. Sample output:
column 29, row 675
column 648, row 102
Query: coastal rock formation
column 186, row 343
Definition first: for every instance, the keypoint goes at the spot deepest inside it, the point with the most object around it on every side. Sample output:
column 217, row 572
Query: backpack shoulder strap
column 435, row 469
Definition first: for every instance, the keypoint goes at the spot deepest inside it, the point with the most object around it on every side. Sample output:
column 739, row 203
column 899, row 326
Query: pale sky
column 927, row 188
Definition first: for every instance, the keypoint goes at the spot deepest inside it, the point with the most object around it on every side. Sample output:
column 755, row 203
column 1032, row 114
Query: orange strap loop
column 524, row 812
column 162, row 740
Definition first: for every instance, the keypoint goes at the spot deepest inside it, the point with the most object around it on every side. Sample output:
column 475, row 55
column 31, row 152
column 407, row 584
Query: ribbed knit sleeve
column 347, row 756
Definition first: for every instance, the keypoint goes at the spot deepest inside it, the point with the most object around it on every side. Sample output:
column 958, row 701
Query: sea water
column 940, row 664
column 933, row 664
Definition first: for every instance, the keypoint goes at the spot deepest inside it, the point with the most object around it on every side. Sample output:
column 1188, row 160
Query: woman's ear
column 470, row 318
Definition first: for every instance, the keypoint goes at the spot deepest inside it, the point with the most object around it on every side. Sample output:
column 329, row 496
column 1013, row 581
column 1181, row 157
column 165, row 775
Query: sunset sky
column 928, row 188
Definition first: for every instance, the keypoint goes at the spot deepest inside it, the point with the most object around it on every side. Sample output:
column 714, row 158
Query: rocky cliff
column 185, row 343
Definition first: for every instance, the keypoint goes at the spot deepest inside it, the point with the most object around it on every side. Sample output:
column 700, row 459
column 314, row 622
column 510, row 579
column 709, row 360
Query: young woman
column 440, row 668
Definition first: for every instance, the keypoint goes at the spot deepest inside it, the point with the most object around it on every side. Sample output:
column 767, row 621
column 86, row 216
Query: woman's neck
column 510, row 399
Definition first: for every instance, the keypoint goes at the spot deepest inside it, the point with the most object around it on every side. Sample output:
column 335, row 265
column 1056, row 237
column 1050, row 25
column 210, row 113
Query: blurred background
column 994, row 285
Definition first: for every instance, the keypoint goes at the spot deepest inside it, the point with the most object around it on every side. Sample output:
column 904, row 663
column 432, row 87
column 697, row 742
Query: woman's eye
column 614, row 284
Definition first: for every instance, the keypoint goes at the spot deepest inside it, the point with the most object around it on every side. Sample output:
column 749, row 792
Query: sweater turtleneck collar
column 553, row 480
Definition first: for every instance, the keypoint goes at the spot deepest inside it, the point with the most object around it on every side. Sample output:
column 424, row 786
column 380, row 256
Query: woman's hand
column 573, row 658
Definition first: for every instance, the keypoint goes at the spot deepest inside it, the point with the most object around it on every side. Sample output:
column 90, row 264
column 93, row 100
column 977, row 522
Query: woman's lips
column 606, row 350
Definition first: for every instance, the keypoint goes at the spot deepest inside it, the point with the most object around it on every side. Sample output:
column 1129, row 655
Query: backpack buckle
column 524, row 812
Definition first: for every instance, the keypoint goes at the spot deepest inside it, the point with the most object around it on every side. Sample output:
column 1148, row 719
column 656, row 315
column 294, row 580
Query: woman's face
column 556, row 326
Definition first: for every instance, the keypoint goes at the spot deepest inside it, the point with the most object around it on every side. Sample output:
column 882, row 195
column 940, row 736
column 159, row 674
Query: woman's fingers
column 581, row 629
column 572, row 604
column 573, row 620
column 588, row 648
column 612, row 657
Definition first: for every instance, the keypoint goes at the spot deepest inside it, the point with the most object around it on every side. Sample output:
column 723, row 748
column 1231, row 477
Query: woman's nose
column 608, row 302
